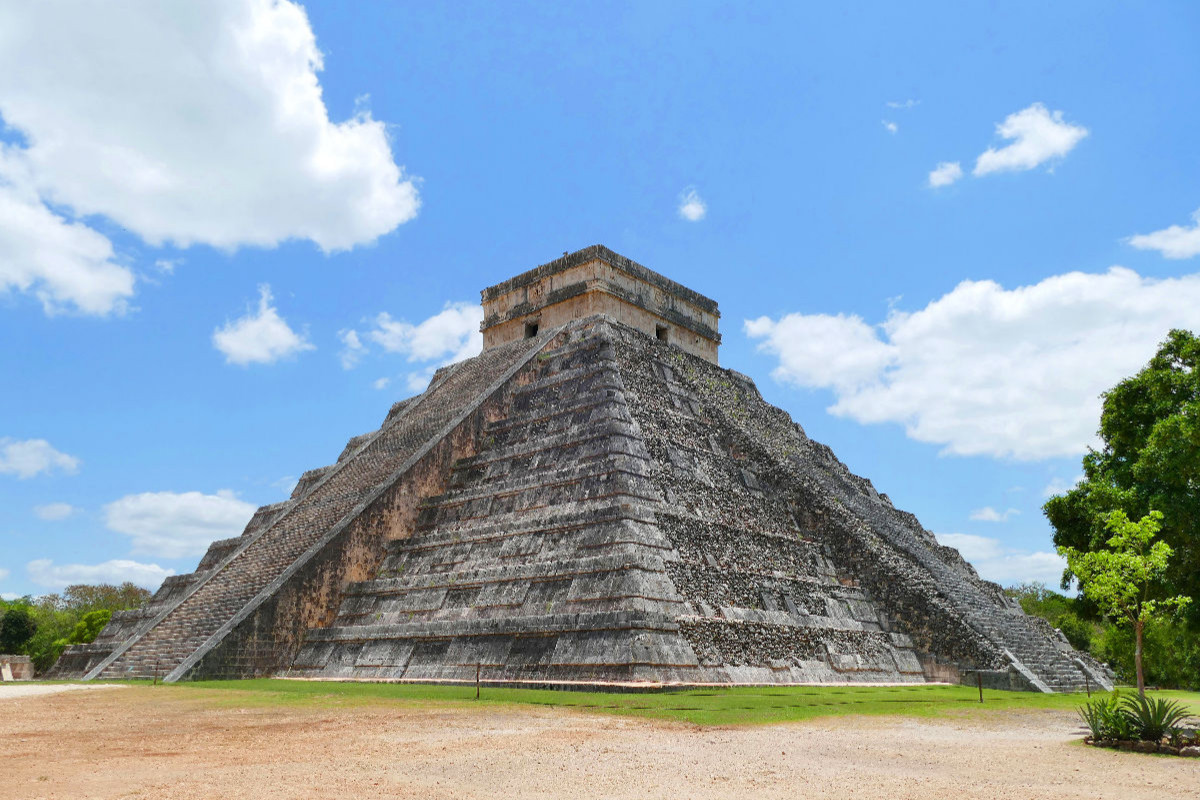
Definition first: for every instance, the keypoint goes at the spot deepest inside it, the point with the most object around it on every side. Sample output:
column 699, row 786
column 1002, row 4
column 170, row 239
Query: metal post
column 155, row 672
column 478, row 666
column 979, row 677
column 1087, row 683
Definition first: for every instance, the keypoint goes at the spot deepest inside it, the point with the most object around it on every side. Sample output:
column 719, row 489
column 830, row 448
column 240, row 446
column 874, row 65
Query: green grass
column 735, row 706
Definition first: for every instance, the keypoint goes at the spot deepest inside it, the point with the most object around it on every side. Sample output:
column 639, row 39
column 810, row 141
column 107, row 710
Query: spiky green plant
column 1097, row 716
column 1152, row 718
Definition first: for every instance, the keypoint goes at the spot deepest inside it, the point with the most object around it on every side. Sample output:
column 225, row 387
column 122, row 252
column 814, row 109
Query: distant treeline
column 42, row 627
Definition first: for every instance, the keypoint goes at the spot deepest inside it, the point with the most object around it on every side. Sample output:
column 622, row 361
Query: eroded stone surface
column 591, row 504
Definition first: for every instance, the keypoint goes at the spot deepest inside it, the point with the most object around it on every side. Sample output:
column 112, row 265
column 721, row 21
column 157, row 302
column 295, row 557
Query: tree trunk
column 1137, row 656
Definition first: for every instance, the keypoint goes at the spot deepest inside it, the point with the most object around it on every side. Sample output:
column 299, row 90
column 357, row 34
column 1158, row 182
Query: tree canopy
column 1149, row 460
column 74, row 617
column 17, row 627
column 1119, row 579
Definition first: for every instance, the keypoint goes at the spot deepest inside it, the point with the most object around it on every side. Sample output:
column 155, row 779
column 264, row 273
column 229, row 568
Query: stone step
column 328, row 497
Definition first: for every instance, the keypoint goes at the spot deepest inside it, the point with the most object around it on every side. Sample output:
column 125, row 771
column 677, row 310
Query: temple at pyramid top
column 596, row 280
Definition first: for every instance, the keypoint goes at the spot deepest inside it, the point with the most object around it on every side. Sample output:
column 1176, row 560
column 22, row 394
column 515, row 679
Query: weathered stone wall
column 923, row 589
column 765, row 604
column 593, row 505
column 539, row 562
column 597, row 281
column 183, row 634
column 20, row 668
column 267, row 639
column 585, row 542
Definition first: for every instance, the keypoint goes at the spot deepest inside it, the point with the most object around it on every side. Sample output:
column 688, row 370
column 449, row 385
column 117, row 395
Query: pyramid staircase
column 587, row 506
column 556, row 555
column 324, row 503
column 778, row 463
column 541, row 560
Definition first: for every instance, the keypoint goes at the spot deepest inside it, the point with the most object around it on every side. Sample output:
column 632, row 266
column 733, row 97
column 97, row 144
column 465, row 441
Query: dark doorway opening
column 531, row 329
column 662, row 333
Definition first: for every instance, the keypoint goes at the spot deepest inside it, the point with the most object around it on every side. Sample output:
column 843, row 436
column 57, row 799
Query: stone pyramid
column 590, row 500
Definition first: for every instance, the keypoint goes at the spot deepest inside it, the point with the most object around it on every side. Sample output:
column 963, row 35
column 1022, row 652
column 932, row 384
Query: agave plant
column 1106, row 719
column 1096, row 716
column 1120, row 724
column 1152, row 718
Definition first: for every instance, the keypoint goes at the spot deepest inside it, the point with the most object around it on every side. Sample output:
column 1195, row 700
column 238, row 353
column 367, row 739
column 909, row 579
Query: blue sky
column 232, row 234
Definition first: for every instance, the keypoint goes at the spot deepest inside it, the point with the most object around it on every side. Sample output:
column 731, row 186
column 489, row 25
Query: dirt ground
column 31, row 689
column 186, row 743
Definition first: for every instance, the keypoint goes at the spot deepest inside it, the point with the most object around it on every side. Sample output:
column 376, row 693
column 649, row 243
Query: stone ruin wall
column 927, row 589
column 780, row 453
column 746, row 566
column 596, row 287
column 788, row 567
column 78, row 659
column 267, row 640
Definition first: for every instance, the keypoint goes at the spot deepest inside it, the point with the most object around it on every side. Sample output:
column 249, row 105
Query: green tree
column 85, row 631
column 17, row 627
column 85, row 597
column 74, row 617
column 1149, row 459
column 1119, row 579
column 1171, row 655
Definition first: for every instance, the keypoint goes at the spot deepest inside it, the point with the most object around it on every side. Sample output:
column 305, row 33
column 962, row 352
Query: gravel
column 178, row 742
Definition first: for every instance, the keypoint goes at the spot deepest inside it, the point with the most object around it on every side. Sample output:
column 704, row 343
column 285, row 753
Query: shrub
column 1153, row 718
column 89, row 626
column 1133, row 717
column 52, row 626
column 1106, row 719
column 1097, row 716
column 1078, row 632
column 1172, row 657
column 17, row 627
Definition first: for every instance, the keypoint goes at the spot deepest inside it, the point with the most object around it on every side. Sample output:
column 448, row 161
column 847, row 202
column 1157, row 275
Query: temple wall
column 267, row 640
column 654, row 305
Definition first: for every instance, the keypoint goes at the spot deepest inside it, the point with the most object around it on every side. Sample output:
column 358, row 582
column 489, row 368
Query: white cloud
column 286, row 484
column 3, row 575
column 1173, row 242
column 419, row 381
column 189, row 123
column 823, row 351
column 984, row 370
column 173, row 525
column 989, row 514
column 45, row 572
column 447, row 337
column 65, row 265
column 1007, row 566
column 451, row 334
column 261, row 337
column 945, row 174
column 352, row 348
column 167, row 265
column 54, row 511
column 691, row 207
column 1059, row 486
column 906, row 104
column 31, row 457
column 1038, row 135
column 890, row 126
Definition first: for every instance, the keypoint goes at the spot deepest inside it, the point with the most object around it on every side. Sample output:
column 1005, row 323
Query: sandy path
column 186, row 743
column 9, row 691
